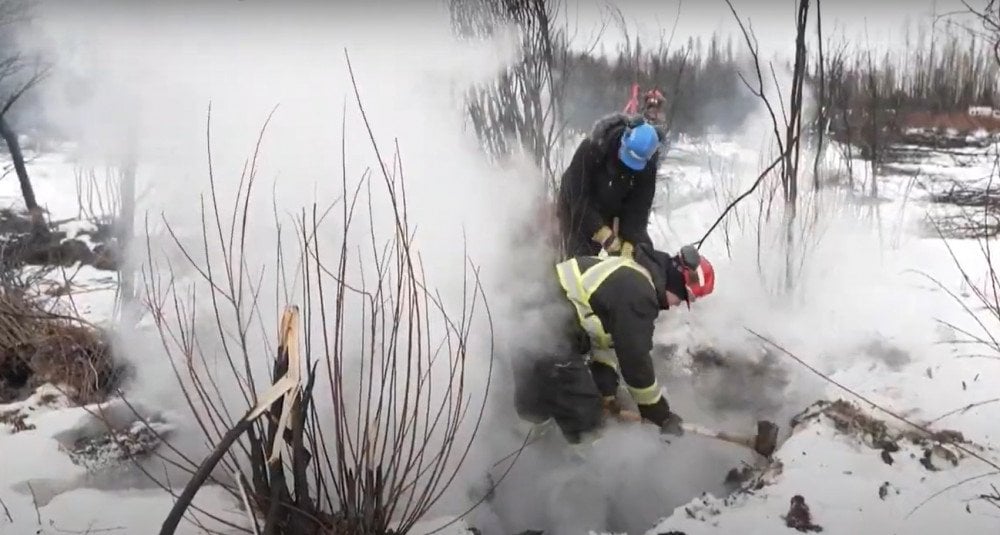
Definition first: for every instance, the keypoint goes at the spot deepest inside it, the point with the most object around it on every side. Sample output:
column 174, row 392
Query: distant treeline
column 933, row 81
column 947, row 71
column 940, row 72
column 700, row 82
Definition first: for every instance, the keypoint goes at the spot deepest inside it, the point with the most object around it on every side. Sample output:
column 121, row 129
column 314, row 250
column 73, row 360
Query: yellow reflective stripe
column 605, row 356
column 569, row 278
column 592, row 324
column 579, row 287
column 597, row 273
column 646, row 395
column 572, row 283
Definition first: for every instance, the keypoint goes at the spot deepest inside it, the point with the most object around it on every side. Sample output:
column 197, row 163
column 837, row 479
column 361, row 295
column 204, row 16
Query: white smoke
column 146, row 75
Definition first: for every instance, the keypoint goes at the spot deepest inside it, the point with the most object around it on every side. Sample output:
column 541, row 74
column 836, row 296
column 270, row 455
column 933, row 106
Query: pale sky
column 772, row 20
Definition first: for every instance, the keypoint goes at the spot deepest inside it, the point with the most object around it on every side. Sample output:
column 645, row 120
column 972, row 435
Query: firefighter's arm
column 575, row 192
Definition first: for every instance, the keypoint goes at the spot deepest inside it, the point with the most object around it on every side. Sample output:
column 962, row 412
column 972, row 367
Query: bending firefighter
column 609, row 307
column 612, row 176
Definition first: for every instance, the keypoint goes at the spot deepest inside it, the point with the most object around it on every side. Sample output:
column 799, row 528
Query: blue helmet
column 638, row 146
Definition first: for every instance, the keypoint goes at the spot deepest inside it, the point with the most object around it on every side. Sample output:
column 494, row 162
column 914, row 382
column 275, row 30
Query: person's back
column 612, row 175
column 618, row 301
column 608, row 309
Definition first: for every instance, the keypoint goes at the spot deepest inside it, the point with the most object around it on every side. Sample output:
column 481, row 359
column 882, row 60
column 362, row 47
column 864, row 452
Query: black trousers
column 556, row 382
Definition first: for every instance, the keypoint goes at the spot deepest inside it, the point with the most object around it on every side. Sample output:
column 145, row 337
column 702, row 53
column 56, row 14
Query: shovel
column 764, row 442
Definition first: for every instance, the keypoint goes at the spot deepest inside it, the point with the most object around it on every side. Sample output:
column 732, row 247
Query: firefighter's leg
column 640, row 378
column 604, row 368
column 573, row 398
column 529, row 390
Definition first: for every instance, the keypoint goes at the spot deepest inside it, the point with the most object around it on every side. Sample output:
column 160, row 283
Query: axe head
column 766, row 440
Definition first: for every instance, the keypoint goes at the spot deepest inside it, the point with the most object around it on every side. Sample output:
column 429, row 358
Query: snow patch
column 850, row 486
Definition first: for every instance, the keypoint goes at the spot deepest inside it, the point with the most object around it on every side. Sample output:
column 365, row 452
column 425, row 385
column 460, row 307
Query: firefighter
column 651, row 111
column 654, row 114
column 653, row 107
column 612, row 176
column 610, row 306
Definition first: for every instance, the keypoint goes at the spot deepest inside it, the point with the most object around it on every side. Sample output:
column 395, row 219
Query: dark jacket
column 628, row 306
column 597, row 187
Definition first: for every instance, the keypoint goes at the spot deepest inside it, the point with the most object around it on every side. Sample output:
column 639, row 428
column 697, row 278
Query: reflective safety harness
column 579, row 287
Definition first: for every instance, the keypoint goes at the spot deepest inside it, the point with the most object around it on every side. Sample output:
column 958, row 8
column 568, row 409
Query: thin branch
column 918, row 427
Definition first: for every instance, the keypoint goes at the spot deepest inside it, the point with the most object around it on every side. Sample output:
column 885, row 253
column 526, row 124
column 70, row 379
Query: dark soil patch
column 877, row 434
column 24, row 243
column 735, row 382
column 16, row 420
column 114, row 447
column 892, row 356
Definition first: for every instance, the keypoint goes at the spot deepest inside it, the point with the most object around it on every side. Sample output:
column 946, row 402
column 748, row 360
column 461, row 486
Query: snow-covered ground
column 44, row 487
column 869, row 316
column 863, row 315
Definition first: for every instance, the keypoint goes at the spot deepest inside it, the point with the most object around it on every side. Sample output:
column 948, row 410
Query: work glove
column 627, row 249
column 606, row 237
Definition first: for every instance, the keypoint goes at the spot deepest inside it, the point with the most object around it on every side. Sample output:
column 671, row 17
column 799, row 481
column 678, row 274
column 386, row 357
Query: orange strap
column 632, row 106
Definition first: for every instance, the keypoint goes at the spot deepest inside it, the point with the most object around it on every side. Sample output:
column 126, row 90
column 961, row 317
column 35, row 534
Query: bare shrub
column 38, row 346
column 985, row 308
column 522, row 108
column 98, row 197
column 42, row 337
column 368, row 417
column 787, row 134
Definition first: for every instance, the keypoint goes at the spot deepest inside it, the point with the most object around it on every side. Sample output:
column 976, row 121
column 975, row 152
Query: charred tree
column 821, row 109
column 18, row 75
column 522, row 107
column 17, row 156
column 786, row 123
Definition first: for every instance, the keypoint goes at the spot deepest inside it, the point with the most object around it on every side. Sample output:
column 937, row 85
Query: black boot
column 660, row 414
column 672, row 425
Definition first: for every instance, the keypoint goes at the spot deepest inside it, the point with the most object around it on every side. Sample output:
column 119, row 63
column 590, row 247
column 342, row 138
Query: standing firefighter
column 608, row 310
column 653, row 114
column 612, row 175
column 651, row 109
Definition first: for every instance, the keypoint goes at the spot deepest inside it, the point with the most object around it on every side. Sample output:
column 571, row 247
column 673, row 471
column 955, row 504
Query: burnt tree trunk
column 10, row 137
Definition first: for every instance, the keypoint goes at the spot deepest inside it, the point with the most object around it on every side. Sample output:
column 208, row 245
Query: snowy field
column 44, row 487
column 874, row 314
column 867, row 313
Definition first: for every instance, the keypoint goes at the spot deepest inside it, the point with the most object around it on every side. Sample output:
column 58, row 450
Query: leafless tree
column 788, row 131
column 125, row 230
column 522, row 107
column 873, row 131
column 821, row 108
column 19, row 73
column 989, row 17
column 839, row 97
column 979, row 212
